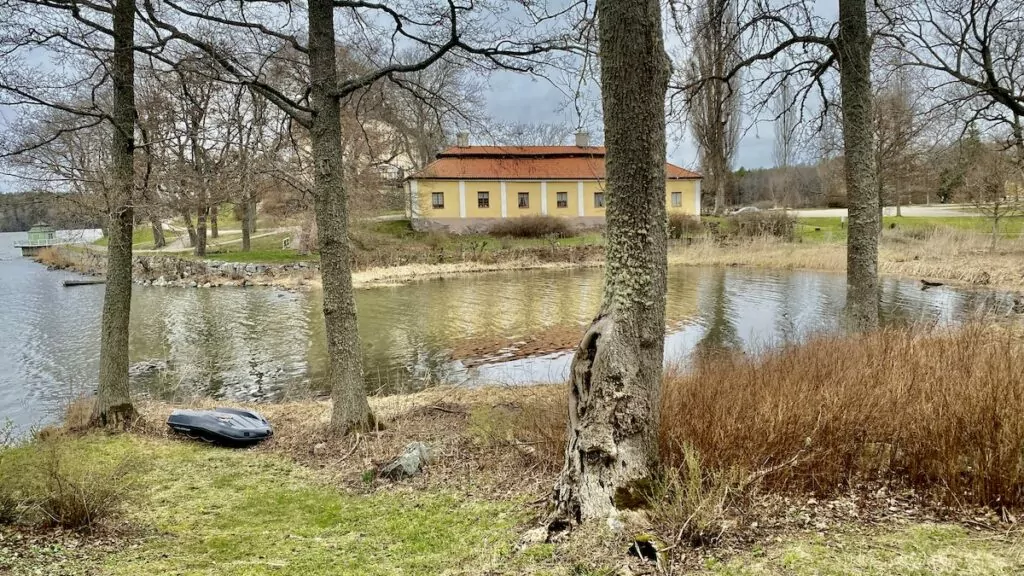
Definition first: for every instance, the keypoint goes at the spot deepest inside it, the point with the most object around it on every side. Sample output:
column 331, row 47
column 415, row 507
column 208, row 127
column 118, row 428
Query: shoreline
column 960, row 265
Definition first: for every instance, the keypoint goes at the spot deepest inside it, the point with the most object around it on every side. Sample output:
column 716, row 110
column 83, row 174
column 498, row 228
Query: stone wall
column 172, row 271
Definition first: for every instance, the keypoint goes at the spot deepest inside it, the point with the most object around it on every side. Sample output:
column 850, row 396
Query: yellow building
column 468, row 187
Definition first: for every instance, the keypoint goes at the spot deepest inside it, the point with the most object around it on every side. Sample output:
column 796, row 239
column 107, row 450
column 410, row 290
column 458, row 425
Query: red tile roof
column 526, row 163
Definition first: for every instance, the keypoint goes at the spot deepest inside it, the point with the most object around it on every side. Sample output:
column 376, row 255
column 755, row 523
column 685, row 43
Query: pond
column 513, row 328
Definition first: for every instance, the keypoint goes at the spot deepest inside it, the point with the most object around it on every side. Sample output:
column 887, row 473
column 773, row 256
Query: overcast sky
column 517, row 98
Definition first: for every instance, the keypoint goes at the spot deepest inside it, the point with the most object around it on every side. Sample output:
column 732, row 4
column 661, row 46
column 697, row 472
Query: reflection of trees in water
column 721, row 336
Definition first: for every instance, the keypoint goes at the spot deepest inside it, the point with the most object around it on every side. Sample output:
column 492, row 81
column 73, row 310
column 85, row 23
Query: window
column 437, row 199
column 598, row 199
column 562, row 199
column 677, row 199
column 524, row 199
column 483, row 199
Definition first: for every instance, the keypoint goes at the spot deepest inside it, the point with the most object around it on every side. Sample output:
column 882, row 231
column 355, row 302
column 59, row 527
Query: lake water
column 265, row 344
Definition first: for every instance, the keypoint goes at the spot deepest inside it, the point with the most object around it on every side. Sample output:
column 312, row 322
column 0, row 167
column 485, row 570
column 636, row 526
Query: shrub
column 683, row 226
column 776, row 224
column 532, row 227
column 79, row 496
column 941, row 412
column 51, row 483
column 53, row 258
column 691, row 500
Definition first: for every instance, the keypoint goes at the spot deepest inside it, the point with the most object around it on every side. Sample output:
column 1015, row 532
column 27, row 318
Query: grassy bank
column 894, row 453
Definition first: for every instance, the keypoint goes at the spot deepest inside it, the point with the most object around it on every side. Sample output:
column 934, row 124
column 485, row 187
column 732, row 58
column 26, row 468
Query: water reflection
column 268, row 345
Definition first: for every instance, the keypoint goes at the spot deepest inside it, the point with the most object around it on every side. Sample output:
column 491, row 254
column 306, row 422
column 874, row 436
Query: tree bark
column 351, row 411
column 113, row 406
column 214, row 212
column 853, row 49
column 190, row 227
column 199, row 248
column 246, row 224
column 159, row 241
column 615, row 380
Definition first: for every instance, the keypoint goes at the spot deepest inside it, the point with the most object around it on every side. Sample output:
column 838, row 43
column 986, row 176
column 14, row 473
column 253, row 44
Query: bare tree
column 102, row 37
column 986, row 183
column 455, row 32
column 972, row 52
column 784, row 146
column 615, row 380
column 898, row 122
column 526, row 134
column 713, row 107
column 792, row 42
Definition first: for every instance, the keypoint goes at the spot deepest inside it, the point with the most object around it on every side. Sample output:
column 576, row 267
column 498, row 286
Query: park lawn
column 202, row 510
column 142, row 237
column 198, row 510
column 263, row 250
column 832, row 229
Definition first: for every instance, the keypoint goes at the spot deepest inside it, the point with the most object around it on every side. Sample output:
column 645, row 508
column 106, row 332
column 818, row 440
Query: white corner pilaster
column 543, row 197
column 579, row 198
column 504, row 199
column 462, row 198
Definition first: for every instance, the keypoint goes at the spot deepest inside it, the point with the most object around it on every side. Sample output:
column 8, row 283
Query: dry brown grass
column 54, row 258
column 472, row 431
column 946, row 254
column 942, row 413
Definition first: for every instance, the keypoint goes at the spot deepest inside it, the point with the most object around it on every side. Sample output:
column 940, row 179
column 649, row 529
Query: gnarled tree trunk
column 853, row 49
column 113, row 406
column 351, row 410
column 615, row 382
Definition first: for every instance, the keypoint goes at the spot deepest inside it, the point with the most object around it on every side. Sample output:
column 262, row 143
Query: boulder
column 410, row 463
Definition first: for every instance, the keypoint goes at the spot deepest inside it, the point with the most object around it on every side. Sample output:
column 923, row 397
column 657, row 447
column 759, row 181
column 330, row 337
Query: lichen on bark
column 615, row 379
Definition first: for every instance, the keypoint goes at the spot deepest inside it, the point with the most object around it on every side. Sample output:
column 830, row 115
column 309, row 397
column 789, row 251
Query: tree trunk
column 251, row 206
column 719, row 182
column 246, row 224
column 214, row 211
column 351, row 410
column 615, row 380
column 159, row 241
column 854, row 56
column 200, row 245
column 113, row 406
column 187, row 217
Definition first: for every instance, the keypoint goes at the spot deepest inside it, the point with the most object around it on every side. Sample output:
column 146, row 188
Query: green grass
column 210, row 511
column 264, row 250
column 204, row 511
column 918, row 550
column 833, row 230
column 142, row 237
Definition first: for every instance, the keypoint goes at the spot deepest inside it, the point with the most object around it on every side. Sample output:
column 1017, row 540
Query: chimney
column 462, row 139
column 582, row 139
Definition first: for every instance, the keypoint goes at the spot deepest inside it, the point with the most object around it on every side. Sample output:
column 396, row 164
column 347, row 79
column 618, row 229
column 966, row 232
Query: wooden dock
column 85, row 282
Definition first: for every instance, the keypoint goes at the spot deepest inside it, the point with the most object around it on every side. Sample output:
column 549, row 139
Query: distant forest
column 18, row 212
